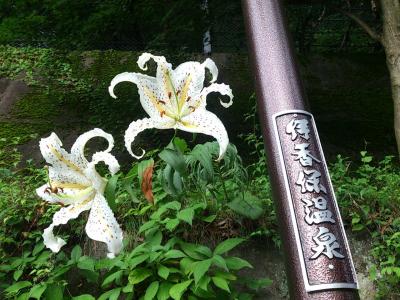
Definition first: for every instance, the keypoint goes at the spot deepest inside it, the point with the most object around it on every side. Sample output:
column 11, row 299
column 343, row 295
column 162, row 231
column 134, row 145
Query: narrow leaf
column 227, row 245
column 151, row 291
column 178, row 289
column 200, row 268
column 221, row 283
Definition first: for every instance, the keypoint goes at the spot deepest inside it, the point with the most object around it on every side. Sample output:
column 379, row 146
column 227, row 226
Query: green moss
column 36, row 106
column 14, row 134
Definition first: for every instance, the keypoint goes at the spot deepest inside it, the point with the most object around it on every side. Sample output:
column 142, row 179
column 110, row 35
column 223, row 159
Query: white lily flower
column 75, row 184
column 176, row 99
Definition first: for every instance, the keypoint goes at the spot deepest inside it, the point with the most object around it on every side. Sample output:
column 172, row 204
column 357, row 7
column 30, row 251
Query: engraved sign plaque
column 323, row 250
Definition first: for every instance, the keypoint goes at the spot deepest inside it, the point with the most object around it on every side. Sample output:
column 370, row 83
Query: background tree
column 389, row 36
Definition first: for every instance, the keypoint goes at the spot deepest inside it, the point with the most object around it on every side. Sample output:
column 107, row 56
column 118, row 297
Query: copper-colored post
column 318, row 259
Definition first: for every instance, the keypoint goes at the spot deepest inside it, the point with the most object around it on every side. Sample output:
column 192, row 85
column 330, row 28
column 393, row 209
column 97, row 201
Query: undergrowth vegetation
column 180, row 230
column 181, row 212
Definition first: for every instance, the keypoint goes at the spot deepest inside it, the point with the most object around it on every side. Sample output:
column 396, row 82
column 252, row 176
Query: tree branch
column 369, row 30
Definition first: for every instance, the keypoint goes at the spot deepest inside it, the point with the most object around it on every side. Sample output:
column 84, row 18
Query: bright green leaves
column 151, row 290
column 200, row 268
column 163, row 272
column 221, row 283
column 186, row 215
column 138, row 275
column 227, row 245
column 178, row 289
column 236, row 263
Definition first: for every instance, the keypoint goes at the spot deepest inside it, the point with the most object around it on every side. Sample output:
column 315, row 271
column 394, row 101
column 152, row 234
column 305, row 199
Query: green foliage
column 102, row 25
column 368, row 197
column 165, row 264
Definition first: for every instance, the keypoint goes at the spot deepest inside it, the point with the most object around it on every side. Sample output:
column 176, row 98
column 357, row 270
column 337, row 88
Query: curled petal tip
column 138, row 156
column 226, row 104
column 212, row 67
column 111, row 91
column 111, row 255
column 142, row 60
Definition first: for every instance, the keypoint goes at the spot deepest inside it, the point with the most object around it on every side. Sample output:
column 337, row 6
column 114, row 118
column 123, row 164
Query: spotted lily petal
column 102, row 226
column 173, row 96
column 74, row 181
column 140, row 125
column 208, row 123
column 62, row 217
column 148, row 90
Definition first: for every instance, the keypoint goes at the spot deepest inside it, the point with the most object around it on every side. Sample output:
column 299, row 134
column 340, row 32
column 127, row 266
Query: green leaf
column 358, row 227
column 148, row 225
column 18, row 286
column 137, row 260
column 204, row 282
column 168, row 180
column 86, row 263
column 247, row 205
column 209, row 219
column 23, row 296
column 138, row 275
column 225, row 275
column 112, row 277
column 84, row 297
column 111, row 294
column 163, row 272
column 54, row 292
column 175, row 205
column 151, row 291
column 128, row 288
column 203, row 250
column 186, row 264
column 177, row 181
column 227, row 245
column 175, row 159
column 109, row 192
column 37, row 249
column 153, row 237
column 221, row 283
column 76, row 253
column 186, row 215
column 200, row 268
column 204, row 157
column 174, row 254
column 171, row 224
column 163, row 291
column 191, row 250
column 219, row 261
column 180, row 144
column 17, row 274
column 37, row 291
column 236, row 263
column 178, row 289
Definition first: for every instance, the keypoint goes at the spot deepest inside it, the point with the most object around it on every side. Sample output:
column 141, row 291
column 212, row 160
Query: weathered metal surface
column 319, row 264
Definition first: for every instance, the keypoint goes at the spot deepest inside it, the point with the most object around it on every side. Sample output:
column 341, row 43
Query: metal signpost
column 318, row 259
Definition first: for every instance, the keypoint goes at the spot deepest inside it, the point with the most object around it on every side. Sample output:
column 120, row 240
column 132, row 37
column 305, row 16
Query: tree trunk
column 391, row 42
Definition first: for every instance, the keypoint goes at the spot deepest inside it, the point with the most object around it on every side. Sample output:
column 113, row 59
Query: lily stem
column 223, row 184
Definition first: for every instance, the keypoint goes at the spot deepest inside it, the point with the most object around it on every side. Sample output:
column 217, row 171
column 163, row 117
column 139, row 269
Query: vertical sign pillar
column 318, row 259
